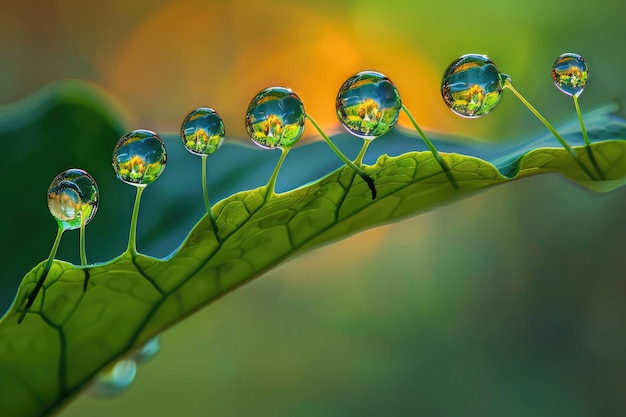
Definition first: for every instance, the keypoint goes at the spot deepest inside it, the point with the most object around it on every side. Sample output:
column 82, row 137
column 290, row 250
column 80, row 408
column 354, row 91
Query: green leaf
column 86, row 318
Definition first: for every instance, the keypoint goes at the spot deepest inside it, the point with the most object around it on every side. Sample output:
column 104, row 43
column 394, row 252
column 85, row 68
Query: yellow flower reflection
column 272, row 126
column 368, row 110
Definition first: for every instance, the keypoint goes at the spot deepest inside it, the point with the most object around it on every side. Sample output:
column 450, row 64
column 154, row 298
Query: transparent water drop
column 139, row 158
column 368, row 104
column 570, row 73
column 471, row 86
column 73, row 195
column 114, row 380
column 275, row 118
column 202, row 131
column 148, row 351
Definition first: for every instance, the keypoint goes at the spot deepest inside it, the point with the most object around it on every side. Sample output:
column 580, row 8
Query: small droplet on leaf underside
column 203, row 131
column 275, row 118
column 148, row 351
column 368, row 104
column 114, row 380
column 72, row 196
column 472, row 84
column 139, row 158
column 570, row 74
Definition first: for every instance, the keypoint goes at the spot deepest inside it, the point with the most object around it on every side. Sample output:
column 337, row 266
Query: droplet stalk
column 349, row 163
column 205, row 193
column 568, row 148
column 139, row 158
column 271, row 184
column 83, row 252
column 44, row 272
column 359, row 158
column 55, row 246
column 580, row 119
column 432, row 149
column 592, row 157
column 202, row 133
column 132, row 235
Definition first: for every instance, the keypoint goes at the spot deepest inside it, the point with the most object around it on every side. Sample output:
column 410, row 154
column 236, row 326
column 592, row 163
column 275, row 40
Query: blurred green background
column 509, row 303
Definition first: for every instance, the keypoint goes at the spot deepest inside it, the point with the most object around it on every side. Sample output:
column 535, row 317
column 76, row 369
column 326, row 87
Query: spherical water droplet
column 275, row 118
column 203, row 131
column 114, row 380
column 73, row 195
column 570, row 74
column 148, row 351
column 471, row 86
column 139, row 158
column 368, row 104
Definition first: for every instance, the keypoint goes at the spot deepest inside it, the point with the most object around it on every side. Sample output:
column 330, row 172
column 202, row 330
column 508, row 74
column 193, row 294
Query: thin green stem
column 44, row 272
column 432, row 149
column 271, row 184
column 132, row 235
column 359, row 158
column 205, row 193
column 580, row 119
column 592, row 157
column 358, row 170
column 81, row 239
column 556, row 134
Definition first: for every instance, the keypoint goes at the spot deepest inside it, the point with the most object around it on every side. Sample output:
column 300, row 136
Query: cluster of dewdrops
column 367, row 105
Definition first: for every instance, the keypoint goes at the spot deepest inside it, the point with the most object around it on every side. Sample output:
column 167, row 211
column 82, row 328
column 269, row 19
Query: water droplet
column 471, row 86
column 72, row 195
column 148, row 351
column 114, row 380
column 368, row 104
column 275, row 118
column 570, row 74
column 203, row 131
column 139, row 158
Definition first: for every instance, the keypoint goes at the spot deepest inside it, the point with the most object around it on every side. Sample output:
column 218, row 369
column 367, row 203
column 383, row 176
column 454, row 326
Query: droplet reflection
column 570, row 74
column 148, row 351
column 275, row 118
column 72, row 195
column 471, row 86
column 114, row 380
column 368, row 104
column 139, row 158
column 203, row 131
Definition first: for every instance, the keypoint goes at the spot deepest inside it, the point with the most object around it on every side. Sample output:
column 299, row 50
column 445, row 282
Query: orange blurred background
column 162, row 59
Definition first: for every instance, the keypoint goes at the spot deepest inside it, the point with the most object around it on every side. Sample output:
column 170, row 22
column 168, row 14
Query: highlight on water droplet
column 275, row 118
column 570, row 73
column 368, row 104
column 139, row 157
column 72, row 196
column 115, row 380
column 148, row 351
column 471, row 86
column 203, row 131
